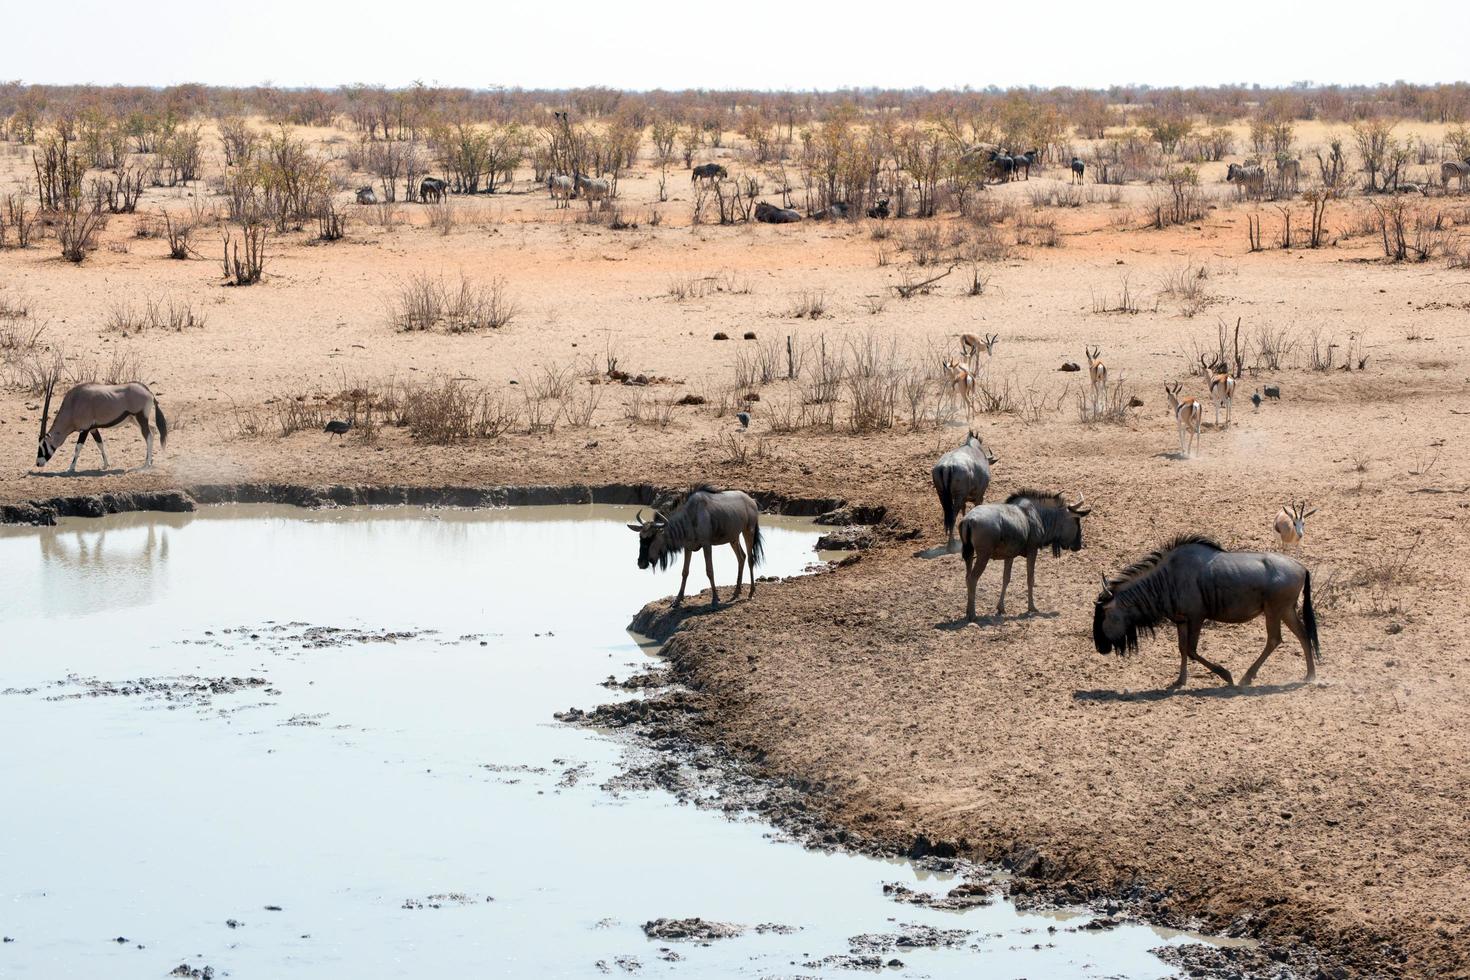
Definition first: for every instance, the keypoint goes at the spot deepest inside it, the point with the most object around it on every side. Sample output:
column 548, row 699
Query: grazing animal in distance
column 562, row 189
column 1288, row 174
column 337, row 427
column 366, row 195
column 772, row 215
column 1291, row 523
column 1222, row 388
column 1078, row 169
column 1024, row 161
column 708, row 172
column 961, row 381
column 707, row 517
column 1027, row 522
column 1188, row 414
column 1002, row 166
column 1250, row 178
column 1454, row 170
column 433, row 189
column 971, row 345
column 1272, row 391
column 879, row 210
column 962, row 476
column 1097, row 373
column 89, row 408
column 593, row 189
column 1191, row 580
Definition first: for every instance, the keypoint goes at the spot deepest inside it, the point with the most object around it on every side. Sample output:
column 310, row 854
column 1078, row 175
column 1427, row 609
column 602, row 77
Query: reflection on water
column 397, row 805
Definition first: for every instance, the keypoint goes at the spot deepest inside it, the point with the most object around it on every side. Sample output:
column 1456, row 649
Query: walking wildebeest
column 1192, row 579
column 1025, row 160
column 773, row 215
column 88, row 408
column 1027, row 522
column 709, row 172
column 707, row 517
column 562, row 189
column 433, row 189
column 961, row 476
column 593, row 189
column 365, row 195
column 1078, row 169
column 1002, row 166
column 879, row 210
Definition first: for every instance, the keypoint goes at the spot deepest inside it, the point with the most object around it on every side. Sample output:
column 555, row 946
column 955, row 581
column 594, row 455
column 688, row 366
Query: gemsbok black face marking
column 88, row 408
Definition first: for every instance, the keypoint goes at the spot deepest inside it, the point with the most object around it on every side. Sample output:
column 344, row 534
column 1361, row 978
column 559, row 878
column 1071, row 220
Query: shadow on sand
column 954, row 625
column 1198, row 693
column 64, row 475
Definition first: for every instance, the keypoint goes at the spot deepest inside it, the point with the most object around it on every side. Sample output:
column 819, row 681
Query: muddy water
column 196, row 773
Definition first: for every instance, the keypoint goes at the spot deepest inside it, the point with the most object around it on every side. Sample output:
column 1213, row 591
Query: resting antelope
column 1222, row 388
column 89, row 408
column 1291, row 523
column 962, row 380
column 1187, row 415
column 1097, row 372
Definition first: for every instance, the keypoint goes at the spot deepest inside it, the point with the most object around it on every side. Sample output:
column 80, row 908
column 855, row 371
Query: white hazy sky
column 761, row 44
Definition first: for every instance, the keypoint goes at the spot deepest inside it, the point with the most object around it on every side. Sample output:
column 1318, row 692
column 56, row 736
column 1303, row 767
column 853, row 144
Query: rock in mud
column 693, row 928
column 1225, row 963
column 847, row 539
column 852, row 514
column 971, row 894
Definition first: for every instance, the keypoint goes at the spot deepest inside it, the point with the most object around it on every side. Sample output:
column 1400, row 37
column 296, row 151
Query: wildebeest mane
column 1037, row 496
column 1143, row 598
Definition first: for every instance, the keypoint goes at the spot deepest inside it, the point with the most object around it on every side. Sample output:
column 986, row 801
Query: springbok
column 1187, row 415
column 89, row 408
column 971, row 346
column 1222, row 388
column 962, row 381
column 707, row 517
column 1291, row 523
column 1454, row 170
column 962, row 476
column 1027, row 522
column 1192, row 579
column 562, row 189
column 1097, row 373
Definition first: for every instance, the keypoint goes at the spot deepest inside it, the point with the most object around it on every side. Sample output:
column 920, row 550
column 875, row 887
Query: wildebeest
column 836, row 211
column 879, row 210
column 961, row 477
column 1025, row 160
column 433, row 189
column 88, row 408
column 1251, row 178
column 1002, row 166
column 562, row 189
column 1078, row 169
column 773, row 215
column 1454, row 170
column 1027, row 522
column 365, row 195
column 707, row 517
column 709, row 172
column 593, row 189
column 1192, row 579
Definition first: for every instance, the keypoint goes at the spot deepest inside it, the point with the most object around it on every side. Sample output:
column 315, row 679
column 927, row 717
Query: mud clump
column 1229, row 963
column 696, row 929
column 971, row 894
column 187, row 690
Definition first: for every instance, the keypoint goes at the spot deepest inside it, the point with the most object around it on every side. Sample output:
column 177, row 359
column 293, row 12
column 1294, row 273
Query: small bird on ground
column 1256, row 398
column 744, row 419
column 1273, row 392
column 336, row 427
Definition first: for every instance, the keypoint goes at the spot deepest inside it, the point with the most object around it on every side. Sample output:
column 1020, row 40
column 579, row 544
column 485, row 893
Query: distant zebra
column 1249, row 177
column 1078, row 169
column 1288, row 174
column 1452, row 169
column 562, row 188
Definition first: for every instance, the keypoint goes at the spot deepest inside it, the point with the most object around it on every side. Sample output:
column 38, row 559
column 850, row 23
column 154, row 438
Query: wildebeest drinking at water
column 706, row 518
column 961, row 476
column 1193, row 579
column 1027, row 522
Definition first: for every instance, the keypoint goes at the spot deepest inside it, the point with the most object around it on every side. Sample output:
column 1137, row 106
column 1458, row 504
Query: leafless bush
column 424, row 301
column 76, row 231
column 17, row 222
column 244, row 271
column 331, row 221
column 444, row 410
column 808, row 303
column 153, row 313
column 1186, row 287
column 1272, row 346
column 1321, row 351
column 178, row 232
column 1127, row 300
column 872, row 400
column 1116, row 406
column 580, row 405
column 1038, row 230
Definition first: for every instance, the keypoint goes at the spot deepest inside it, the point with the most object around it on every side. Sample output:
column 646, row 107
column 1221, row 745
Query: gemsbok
column 1192, row 579
column 1222, row 388
column 1291, row 523
column 89, row 408
column 1027, row 522
column 1097, row 373
column 707, row 517
column 1187, row 416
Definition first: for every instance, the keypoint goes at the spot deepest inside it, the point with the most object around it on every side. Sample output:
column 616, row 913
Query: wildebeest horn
column 659, row 518
column 1107, row 589
column 1080, row 507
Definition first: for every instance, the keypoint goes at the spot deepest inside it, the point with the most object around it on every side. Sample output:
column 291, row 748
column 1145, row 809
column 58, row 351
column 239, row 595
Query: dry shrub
column 809, row 303
column 443, row 410
column 424, row 301
column 154, row 313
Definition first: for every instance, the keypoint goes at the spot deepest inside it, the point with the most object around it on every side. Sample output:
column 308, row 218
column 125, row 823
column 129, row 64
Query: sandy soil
column 1335, row 812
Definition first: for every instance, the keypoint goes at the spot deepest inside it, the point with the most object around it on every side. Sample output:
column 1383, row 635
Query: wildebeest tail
column 1309, row 617
column 161, row 422
column 947, row 502
column 967, row 550
column 758, row 549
